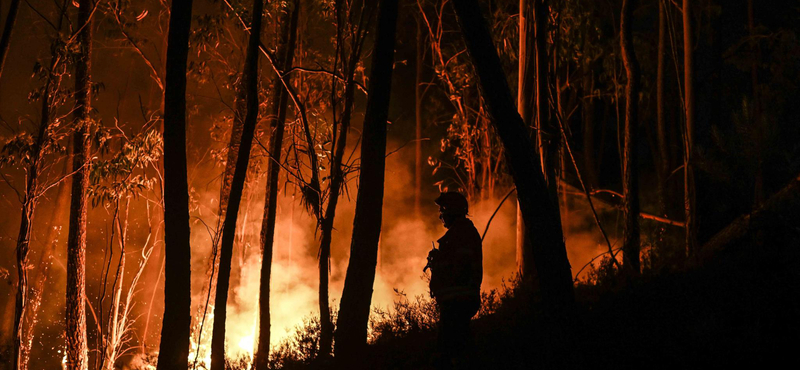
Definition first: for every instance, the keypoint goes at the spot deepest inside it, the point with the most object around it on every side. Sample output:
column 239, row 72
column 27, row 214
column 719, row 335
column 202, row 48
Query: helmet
column 452, row 202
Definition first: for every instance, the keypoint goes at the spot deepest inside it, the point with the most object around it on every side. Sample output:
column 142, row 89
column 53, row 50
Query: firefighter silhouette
column 456, row 275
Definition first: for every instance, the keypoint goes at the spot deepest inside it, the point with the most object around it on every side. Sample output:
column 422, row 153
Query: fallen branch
column 780, row 204
column 646, row 216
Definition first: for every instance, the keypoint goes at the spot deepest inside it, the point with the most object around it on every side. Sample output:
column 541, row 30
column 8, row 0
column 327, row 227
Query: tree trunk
column 662, row 167
column 538, row 209
column 688, row 178
column 630, row 173
column 26, row 223
column 326, row 226
column 277, row 123
column 351, row 333
column 112, row 340
column 418, row 92
column 589, row 159
column 176, row 325
column 759, row 129
column 8, row 29
column 23, row 242
column 546, row 132
column 525, row 100
column 77, row 349
column 781, row 208
column 45, row 261
column 237, row 185
column 337, row 179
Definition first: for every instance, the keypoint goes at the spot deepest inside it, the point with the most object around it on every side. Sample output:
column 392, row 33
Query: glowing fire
column 247, row 345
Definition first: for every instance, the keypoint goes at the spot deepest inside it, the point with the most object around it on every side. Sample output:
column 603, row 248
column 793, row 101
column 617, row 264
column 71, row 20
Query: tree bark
column 326, row 225
column 418, row 92
column 237, row 185
column 662, row 167
column 546, row 131
column 525, row 90
column 8, row 29
column 176, row 325
column 539, row 211
column 589, row 159
column 630, row 173
column 351, row 333
column 77, row 349
column 337, row 179
column 45, row 261
column 277, row 123
column 26, row 221
column 688, row 153
column 758, row 191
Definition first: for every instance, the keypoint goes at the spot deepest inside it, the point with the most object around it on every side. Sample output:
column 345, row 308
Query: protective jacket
column 457, row 266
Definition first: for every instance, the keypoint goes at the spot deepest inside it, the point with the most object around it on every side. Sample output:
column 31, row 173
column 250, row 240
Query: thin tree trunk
column 661, row 125
column 526, row 87
column 28, row 208
column 541, row 215
column 45, row 261
column 23, row 242
column 8, row 29
column 237, row 185
column 277, row 123
column 418, row 92
column 176, row 324
column 337, row 179
column 630, row 173
column 237, row 126
column 326, row 226
column 546, row 133
column 26, row 224
column 77, row 348
column 112, row 340
column 758, row 136
column 688, row 178
column 351, row 333
column 589, row 158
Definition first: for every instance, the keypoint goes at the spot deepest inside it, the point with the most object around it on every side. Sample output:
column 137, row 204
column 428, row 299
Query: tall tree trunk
column 589, row 159
column 8, row 29
column 337, row 179
column 20, row 347
column 112, row 340
column 280, row 105
column 77, row 349
column 418, row 92
column 759, row 129
column 688, row 153
column 546, row 132
column 662, row 167
column 326, row 225
column 351, row 333
column 526, row 87
column 539, row 211
column 23, row 243
column 26, row 221
column 237, row 185
column 176, row 324
column 45, row 261
column 630, row 173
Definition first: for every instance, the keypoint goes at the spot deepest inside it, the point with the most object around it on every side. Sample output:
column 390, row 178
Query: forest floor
column 740, row 308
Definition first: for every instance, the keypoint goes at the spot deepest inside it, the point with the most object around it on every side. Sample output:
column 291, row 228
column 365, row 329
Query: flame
column 247, row 344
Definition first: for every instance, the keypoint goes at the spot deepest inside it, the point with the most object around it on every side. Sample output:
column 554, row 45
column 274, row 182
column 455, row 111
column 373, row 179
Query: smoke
column 404, row 244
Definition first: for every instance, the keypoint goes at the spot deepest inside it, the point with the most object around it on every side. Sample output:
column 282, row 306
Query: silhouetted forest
column 250, row 184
